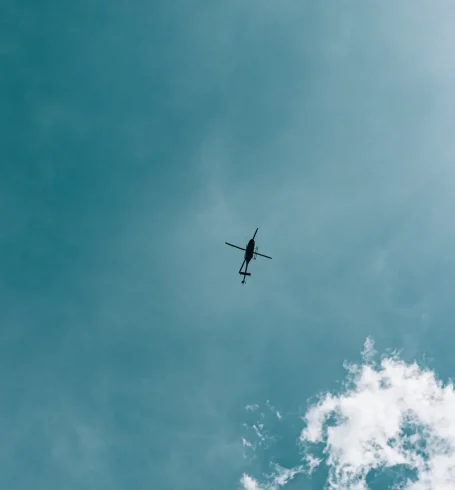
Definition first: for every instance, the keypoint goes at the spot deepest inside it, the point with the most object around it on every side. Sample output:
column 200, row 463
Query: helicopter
column 250, row 252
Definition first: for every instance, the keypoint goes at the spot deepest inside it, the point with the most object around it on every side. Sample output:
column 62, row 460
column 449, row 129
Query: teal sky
column 136, row 139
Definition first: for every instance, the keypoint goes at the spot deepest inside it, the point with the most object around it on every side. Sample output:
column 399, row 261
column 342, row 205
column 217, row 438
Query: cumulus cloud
column 391, row 414
column 390, row 417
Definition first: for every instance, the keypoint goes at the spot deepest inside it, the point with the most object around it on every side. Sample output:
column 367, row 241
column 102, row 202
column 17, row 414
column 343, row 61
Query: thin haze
column 136, row 139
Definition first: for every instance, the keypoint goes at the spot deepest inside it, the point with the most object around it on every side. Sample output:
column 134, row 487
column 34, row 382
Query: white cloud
column 274, row 410
column 279, row 479
column 252, row 408
column 390, row 416
column 250, row 483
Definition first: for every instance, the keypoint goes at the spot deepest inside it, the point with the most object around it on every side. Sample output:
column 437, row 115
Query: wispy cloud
column 278, row 479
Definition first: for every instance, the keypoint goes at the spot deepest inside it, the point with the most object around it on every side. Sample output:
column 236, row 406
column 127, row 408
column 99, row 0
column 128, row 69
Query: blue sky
column 137, row 138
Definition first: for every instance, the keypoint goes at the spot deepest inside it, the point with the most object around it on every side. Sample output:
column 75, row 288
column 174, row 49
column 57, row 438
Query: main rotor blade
column 262, row 255
column 235, row 246
column 255, row 232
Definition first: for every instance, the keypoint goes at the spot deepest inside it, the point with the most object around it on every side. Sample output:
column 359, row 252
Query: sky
column 136, row 139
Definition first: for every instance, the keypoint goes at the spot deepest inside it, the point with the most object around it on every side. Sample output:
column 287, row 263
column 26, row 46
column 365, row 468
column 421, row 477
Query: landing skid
column 244, row 274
